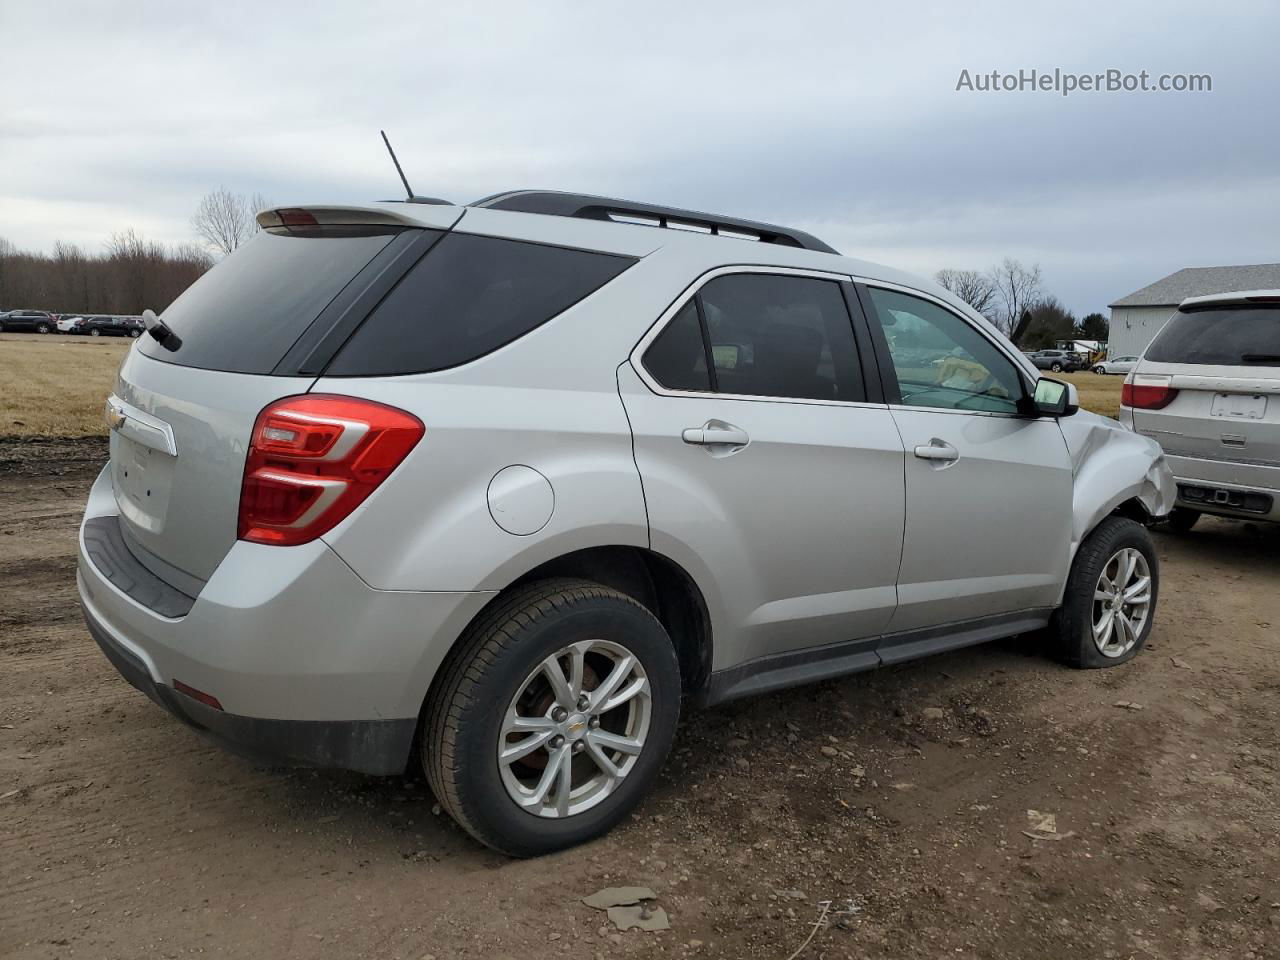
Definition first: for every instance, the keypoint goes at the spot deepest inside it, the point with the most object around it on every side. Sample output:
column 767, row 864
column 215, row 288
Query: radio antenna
column 407, row 189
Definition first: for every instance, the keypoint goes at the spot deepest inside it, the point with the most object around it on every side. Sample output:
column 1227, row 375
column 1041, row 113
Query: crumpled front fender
column 1111, row 465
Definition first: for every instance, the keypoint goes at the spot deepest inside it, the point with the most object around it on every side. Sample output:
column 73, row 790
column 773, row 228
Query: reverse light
column 1147, row 392
column 315, row 458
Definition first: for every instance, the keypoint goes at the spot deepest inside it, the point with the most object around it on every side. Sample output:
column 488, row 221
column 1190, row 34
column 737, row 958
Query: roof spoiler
column 1242, row 298
column 333, row 216
column 587, row 207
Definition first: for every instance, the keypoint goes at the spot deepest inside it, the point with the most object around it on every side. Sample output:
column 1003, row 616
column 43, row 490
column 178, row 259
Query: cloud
column 840, row 118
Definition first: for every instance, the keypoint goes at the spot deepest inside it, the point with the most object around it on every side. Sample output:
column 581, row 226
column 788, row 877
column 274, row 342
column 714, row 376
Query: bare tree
column 130, row 274
column 1016, row 289
column 974, row 288
column 224, row 219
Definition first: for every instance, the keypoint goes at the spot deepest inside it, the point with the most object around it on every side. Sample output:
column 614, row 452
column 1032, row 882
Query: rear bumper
column 1237, row 479
column 369, row 746
column 310, row 664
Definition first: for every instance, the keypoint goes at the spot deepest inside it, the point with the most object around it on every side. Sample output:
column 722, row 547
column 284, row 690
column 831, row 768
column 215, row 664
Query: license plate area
column 1239, row 406
column 143, row 479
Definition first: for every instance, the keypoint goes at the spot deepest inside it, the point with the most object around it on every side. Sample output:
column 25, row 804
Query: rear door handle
column 716, row 433
column 937, row 449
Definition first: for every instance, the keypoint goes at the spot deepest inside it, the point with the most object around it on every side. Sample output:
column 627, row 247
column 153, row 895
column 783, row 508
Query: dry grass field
column 54, row 386
column 1101, row 394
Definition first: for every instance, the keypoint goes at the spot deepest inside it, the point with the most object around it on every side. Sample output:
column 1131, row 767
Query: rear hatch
column 259, row 326
column 1221, row 367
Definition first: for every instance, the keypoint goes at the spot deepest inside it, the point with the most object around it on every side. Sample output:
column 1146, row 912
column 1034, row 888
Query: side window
column 467, row 297
column 941, row 360
column 677, row 359
column 781, row 336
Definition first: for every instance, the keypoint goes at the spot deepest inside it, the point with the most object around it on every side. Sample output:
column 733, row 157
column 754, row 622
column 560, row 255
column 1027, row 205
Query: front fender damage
column 1111, row 465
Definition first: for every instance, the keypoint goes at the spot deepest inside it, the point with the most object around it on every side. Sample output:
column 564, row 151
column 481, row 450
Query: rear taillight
column 315, row 458
column 1147, row 392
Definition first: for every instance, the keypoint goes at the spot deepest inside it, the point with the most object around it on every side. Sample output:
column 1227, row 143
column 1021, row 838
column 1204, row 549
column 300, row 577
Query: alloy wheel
column 575, row 728
column 1121, row 602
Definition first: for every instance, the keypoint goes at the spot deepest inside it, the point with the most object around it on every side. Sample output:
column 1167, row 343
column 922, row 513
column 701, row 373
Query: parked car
column 1208, row 389
column 506, row 483
column 106, row 326
column 1055, row 360
column 1118, row 365
column 37, row 321
column 68, row 323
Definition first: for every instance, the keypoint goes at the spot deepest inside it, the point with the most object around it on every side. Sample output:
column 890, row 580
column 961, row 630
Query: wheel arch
column 655, row 581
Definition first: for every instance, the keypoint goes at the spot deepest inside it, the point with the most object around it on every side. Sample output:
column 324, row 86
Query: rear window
column 244, row 314
column 1238, row 336
column 469, row 296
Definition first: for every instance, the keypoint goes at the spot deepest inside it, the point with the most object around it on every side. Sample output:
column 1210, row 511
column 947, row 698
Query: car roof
column 705, row 251
column 608, row 236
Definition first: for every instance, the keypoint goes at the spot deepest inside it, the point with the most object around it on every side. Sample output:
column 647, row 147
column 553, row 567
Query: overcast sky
column 840, row 118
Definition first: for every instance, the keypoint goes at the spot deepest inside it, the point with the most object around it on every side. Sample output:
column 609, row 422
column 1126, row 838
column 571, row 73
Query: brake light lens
column 1147, row 392
column 315, row 458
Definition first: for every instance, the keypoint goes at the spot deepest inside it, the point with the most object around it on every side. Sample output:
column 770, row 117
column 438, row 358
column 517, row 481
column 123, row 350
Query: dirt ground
column 900, row 796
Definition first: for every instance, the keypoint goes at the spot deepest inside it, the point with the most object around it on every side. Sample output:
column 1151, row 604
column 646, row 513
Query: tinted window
column 780, row 336
column 942, row 361
column 677, row 359
column 468, row 297
column 1244, row 335
column 245, row 313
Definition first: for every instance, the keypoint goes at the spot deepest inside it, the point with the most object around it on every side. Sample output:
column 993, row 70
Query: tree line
column 130, row 273
column 1011, row 295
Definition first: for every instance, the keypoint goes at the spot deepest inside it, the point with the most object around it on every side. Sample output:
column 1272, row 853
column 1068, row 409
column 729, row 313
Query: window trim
column 889, row 375
column 636, row 357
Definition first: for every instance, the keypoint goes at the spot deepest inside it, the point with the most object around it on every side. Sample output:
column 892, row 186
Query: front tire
column 1100, row 369
column 95, row 332
column 1056, row 367
column 1110, row 601
column 552, row 718
column 42, row 328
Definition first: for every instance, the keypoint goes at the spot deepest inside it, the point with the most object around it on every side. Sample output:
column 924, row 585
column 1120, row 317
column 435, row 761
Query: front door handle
column 937, row 449
column 716, row 433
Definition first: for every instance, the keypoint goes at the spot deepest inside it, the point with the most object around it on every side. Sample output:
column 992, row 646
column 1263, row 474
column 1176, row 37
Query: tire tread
column 458, row 692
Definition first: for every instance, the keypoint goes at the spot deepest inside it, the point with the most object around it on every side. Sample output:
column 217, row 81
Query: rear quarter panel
column 547, row 401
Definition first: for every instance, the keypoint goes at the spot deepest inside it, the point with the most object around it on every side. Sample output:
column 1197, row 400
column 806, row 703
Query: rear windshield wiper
column 1260, row 358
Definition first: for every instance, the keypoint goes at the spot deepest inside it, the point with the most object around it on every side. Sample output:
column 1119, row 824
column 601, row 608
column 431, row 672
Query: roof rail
column 587, row 207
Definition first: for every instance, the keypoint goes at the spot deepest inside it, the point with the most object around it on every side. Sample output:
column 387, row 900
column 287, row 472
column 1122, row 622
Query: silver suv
column 495, row 488
column 1208, row 389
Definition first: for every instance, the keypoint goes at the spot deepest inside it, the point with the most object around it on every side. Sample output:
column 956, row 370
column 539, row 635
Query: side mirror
column 1053, row 398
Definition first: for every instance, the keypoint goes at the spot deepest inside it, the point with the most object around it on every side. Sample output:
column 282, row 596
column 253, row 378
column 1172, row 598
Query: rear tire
column 1085, row 636
column 1182, row 519
column 1056, row 367
column 498, row 678
column 134, row 334
column 95, row 332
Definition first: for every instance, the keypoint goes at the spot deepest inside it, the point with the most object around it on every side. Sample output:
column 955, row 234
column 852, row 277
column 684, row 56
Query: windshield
column 1230, row 336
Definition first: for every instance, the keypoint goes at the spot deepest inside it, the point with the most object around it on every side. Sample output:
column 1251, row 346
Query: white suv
column 496, row 487
column 1208, row 390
